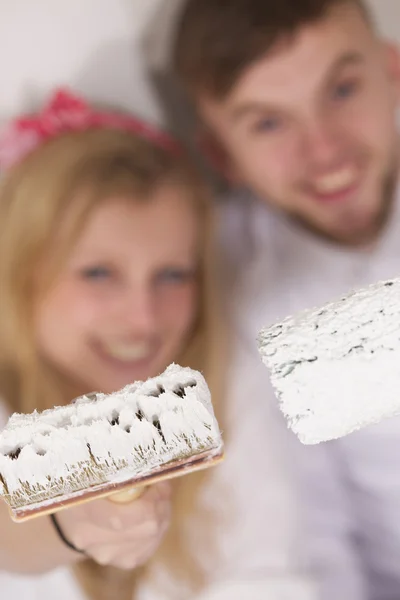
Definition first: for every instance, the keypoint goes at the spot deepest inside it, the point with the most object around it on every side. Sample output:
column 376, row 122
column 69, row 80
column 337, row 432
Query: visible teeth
column 128, row 351
column 336, row 182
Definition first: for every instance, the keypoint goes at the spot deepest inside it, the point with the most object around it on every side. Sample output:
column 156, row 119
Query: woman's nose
column 137, row 311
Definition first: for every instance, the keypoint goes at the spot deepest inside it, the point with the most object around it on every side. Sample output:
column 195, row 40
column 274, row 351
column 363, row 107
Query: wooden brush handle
column 127, row 495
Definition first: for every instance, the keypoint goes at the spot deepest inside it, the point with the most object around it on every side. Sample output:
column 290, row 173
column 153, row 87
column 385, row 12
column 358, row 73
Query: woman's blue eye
column 96, row 273
column 174, row 276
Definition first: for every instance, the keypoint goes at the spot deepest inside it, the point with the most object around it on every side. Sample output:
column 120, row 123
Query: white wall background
column 92, row 45
column 388, row 16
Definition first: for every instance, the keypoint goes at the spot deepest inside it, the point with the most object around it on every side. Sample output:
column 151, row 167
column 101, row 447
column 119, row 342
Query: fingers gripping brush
column 337, row 369
column 108, row 445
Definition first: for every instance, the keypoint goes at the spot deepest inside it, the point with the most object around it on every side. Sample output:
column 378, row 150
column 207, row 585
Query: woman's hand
column 121, row 535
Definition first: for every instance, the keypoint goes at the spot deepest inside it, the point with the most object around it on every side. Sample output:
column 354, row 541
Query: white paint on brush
column 337, row 369
column 58, row 442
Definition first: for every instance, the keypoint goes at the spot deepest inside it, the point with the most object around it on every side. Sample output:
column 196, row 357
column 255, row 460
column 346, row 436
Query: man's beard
column 365, row 236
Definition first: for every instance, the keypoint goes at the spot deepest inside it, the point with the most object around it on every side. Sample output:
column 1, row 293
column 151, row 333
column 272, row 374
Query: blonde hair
column 69, row 176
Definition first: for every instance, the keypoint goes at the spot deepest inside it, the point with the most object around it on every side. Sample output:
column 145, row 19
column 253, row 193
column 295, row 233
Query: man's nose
column 321, row 144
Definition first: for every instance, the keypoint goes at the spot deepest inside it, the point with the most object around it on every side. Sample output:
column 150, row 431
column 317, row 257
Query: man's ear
column 392, row 62
column 216, row 155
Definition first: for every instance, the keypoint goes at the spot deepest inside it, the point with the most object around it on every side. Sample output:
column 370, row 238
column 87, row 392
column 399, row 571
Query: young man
column 298, row 100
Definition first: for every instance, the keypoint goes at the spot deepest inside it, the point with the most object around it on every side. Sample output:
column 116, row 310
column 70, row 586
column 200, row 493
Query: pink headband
column 66, row 113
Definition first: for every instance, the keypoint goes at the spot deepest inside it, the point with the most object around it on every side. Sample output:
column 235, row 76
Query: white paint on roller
column 123, row 435
column 337, row 369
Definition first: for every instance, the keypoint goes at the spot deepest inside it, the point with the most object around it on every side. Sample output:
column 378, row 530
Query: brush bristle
column 335, row 368
column 106, row 439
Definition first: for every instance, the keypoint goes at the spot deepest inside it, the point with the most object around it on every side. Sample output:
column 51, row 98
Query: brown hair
column 62, row 182
column 217, row 40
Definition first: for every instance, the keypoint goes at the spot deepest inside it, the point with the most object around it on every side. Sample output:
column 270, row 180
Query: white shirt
column 59, row 583
column 351, row 487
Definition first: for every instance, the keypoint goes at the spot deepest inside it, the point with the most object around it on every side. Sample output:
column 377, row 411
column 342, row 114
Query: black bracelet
column 62, row 536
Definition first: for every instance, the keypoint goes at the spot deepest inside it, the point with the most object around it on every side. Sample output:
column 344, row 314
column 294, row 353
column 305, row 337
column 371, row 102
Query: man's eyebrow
column 254, row 107
column 348, row 59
